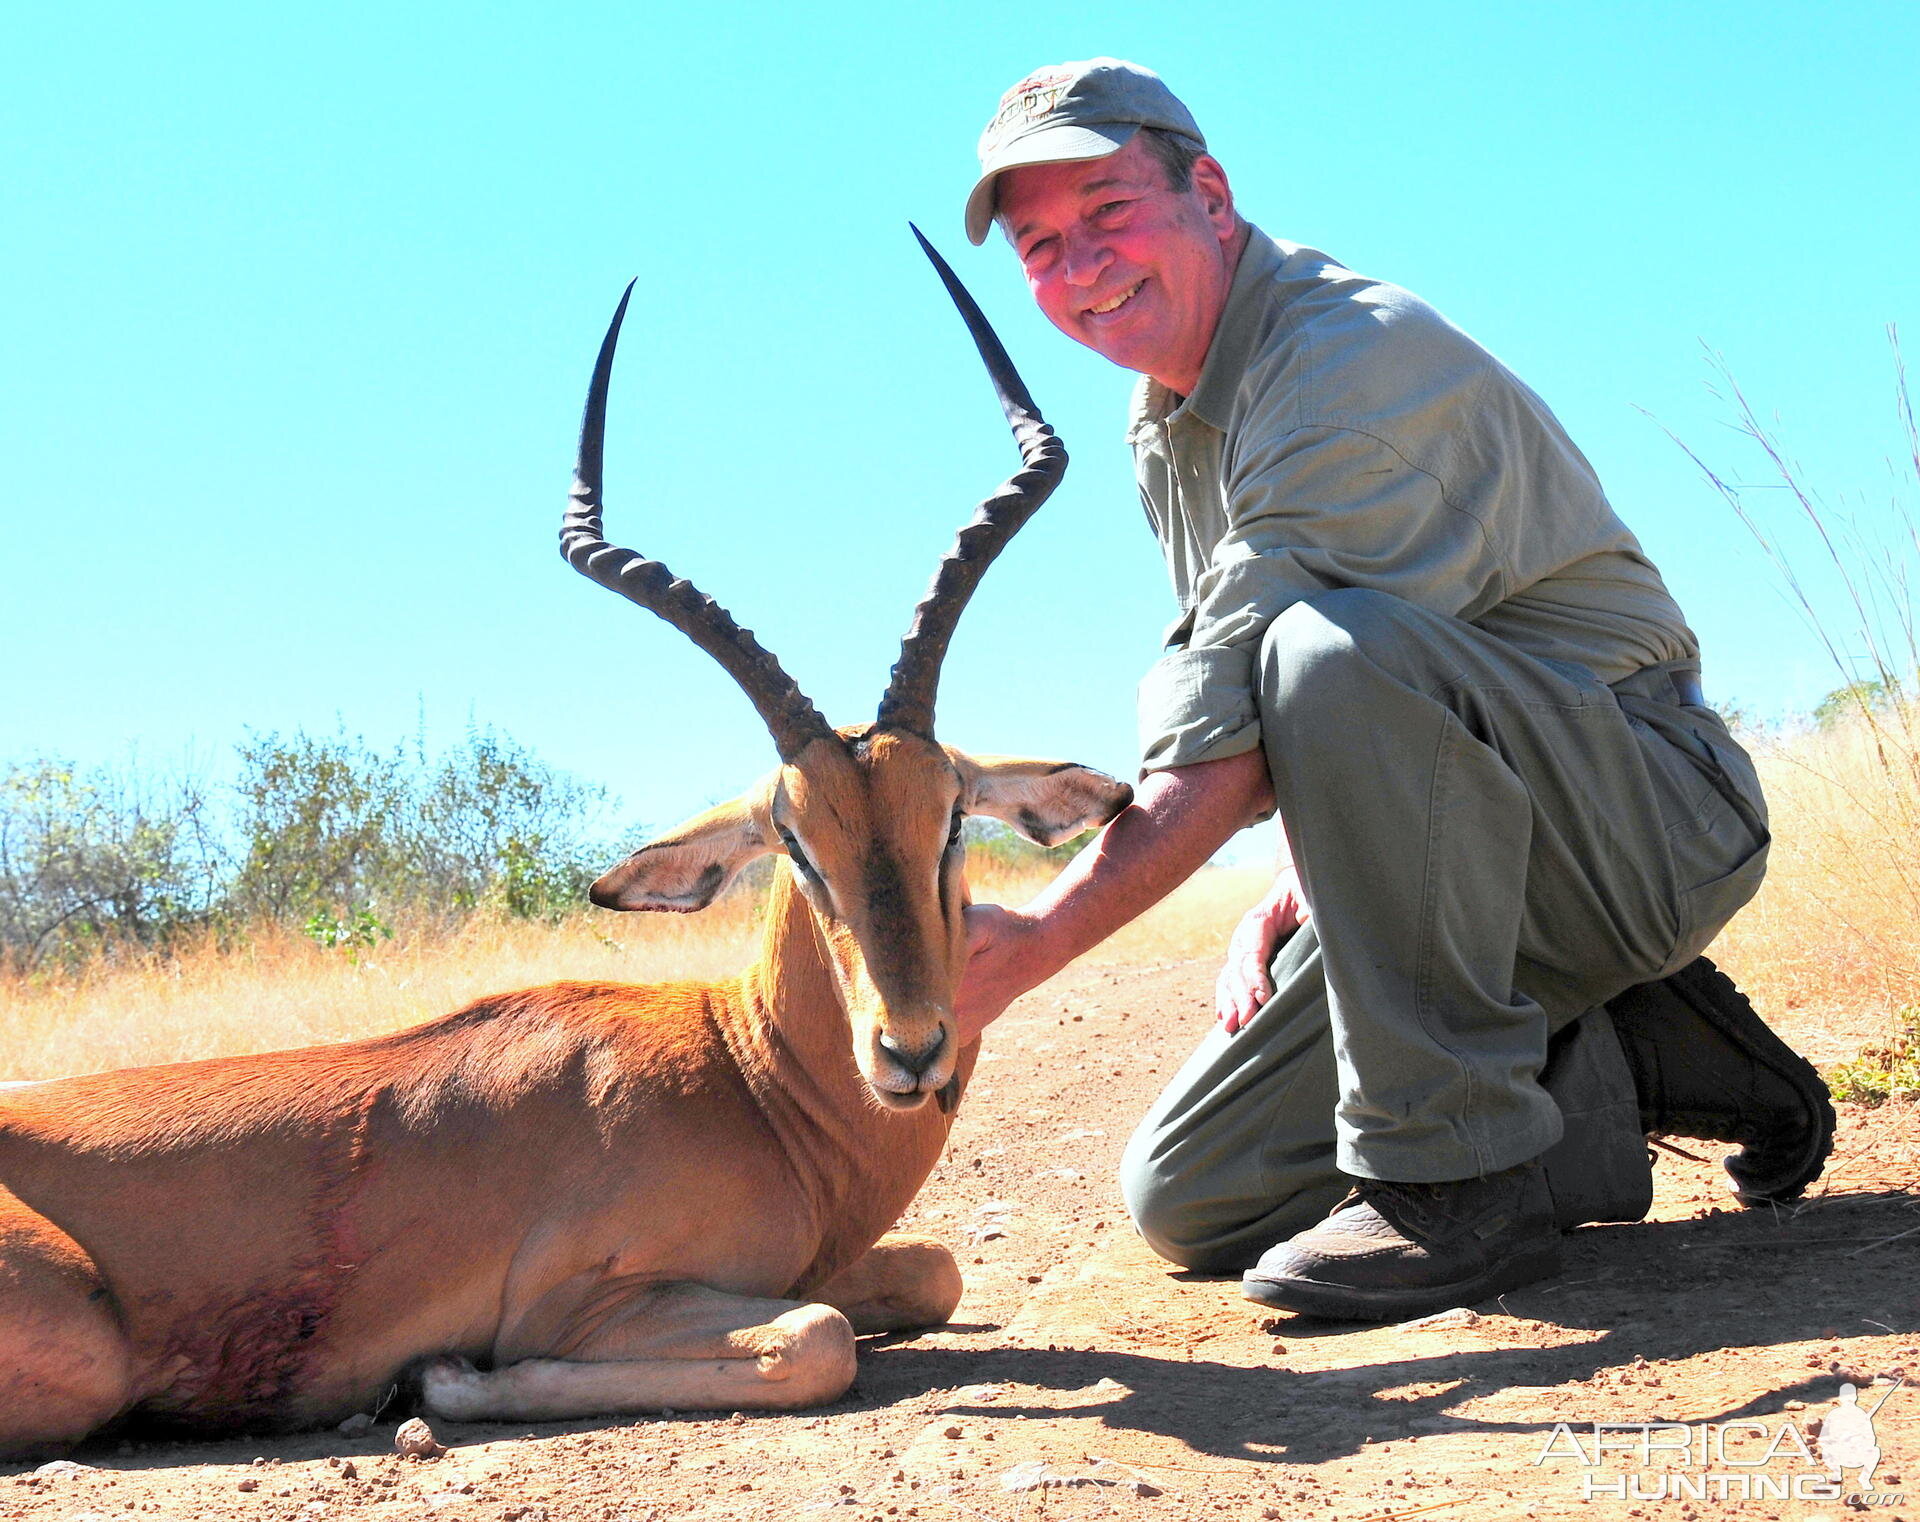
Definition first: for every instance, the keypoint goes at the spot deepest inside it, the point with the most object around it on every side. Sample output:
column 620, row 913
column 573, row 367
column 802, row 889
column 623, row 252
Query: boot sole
column 1339, row 1302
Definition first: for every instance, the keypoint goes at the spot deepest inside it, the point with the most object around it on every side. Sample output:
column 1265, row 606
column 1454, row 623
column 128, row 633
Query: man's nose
column 1085, row 256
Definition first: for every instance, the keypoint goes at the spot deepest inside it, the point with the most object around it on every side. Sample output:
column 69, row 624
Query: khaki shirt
column 1344, row 434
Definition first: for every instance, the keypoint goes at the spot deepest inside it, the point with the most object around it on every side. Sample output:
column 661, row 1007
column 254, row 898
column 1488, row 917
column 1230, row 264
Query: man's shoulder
column 1337, row 348
column 1340, row 315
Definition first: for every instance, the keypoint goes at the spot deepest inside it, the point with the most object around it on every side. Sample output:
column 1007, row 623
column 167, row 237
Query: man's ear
column 687, row 868
column 1046, row 801
column 1216, row 197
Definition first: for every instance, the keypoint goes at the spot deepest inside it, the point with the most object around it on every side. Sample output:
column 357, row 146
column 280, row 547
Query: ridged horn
column 910, row 694
column 793, row 720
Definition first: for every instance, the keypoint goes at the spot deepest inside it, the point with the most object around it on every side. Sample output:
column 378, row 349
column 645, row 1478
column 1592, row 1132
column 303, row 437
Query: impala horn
column 791, row 718
column 909, row 699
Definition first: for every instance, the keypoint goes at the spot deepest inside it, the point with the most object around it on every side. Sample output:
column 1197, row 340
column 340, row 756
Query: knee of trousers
column 1175, row 1222
column 1313, row 649
column 1193, row 1219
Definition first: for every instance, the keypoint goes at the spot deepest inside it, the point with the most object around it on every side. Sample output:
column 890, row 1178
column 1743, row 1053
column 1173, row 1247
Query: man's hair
column 1174, row 155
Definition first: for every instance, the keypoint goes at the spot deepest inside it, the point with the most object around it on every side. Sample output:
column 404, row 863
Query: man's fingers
column 1244, row 984
column 1256, row 993
column 1242, row 987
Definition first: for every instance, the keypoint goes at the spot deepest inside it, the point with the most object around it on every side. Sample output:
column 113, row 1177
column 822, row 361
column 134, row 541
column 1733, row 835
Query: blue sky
column 301, row 303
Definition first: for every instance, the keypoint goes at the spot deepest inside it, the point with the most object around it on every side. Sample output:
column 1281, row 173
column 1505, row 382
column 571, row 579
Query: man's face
column 1121, row 263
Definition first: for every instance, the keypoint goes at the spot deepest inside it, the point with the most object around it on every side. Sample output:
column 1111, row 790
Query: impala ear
column 687, row 868
column 1046, row 801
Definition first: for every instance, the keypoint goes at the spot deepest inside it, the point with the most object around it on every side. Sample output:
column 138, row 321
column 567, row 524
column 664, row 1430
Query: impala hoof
column 448, row 1386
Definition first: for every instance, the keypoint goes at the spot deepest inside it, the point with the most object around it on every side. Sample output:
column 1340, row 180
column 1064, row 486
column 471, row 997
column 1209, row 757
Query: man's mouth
column 1107, row 308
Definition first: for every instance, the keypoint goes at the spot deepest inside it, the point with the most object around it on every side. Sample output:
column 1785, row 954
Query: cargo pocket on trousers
column 1725, row 860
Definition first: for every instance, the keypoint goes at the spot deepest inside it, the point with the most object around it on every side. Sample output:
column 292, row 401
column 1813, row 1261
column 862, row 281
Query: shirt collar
column 1237, row 333
column 1234, row 338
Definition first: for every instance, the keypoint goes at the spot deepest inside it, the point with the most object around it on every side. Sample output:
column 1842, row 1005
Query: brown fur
column 587, row 1187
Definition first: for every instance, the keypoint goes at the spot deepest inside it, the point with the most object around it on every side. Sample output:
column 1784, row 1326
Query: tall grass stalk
column 1838, row 923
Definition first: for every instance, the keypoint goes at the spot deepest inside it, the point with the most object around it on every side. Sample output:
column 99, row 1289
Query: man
column 1413, row 626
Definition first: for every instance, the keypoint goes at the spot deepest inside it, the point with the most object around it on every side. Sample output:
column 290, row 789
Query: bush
column 333, row 826
column 89, row 860
column 497, row 824
column 992, row 843
column 323, row 826
column 1874, row 696
column 329, row 835
column 1885, row 1070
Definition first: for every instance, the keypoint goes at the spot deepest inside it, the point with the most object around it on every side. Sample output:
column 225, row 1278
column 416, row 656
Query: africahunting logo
column 1730, row 1461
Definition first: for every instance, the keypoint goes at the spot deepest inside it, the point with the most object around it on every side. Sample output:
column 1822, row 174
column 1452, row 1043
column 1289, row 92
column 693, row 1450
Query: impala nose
column 916, row 1063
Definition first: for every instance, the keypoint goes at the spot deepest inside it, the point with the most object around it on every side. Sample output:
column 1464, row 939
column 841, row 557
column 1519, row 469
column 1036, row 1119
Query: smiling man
column 1411, row 624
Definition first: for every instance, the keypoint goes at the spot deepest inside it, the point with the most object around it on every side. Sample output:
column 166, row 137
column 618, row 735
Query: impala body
column 581, row 1198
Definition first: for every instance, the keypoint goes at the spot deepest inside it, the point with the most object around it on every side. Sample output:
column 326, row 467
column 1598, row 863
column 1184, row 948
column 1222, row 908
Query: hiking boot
column 1390, row 1251
column 1706, row 1066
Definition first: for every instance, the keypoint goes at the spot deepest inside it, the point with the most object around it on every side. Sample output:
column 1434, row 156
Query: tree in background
column 326, row 833
column 92, row 859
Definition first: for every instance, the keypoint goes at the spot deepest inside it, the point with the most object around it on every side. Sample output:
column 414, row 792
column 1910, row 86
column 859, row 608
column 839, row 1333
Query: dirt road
column 1082, row 1378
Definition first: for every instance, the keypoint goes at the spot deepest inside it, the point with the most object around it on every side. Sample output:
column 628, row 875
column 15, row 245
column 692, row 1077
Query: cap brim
column 1060, row 144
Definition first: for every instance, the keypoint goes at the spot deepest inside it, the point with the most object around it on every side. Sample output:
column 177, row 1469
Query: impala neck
column 794, row 1045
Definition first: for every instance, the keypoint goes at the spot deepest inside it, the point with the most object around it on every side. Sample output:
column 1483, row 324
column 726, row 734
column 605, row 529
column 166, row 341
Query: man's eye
column 1037, row 250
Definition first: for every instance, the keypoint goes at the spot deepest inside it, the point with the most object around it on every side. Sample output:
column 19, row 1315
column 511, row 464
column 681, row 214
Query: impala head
column 868, row 817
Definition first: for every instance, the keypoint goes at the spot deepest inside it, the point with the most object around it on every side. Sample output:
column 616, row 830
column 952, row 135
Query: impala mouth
column 905, row 1078
column 912, row 1100
column 1113, row 304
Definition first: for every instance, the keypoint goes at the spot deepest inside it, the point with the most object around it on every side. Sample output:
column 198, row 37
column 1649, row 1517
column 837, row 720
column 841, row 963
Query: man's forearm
column 1178, row 819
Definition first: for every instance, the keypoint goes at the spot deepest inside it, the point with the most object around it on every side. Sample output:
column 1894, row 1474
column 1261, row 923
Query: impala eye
column 953, row 831
column 797, row 856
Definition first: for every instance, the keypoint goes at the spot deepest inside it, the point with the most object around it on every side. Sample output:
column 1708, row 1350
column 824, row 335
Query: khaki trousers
column 1492, row 845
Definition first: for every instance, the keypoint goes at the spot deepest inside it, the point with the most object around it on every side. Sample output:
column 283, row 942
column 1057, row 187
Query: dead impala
column 583, row 1198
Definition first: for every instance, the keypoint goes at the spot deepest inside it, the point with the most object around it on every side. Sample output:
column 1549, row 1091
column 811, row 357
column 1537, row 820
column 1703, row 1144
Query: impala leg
column 900, row 1282
column 65, row 1365
column 682, row 1346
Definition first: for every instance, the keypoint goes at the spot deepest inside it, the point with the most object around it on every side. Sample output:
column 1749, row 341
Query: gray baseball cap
column 1071, row 111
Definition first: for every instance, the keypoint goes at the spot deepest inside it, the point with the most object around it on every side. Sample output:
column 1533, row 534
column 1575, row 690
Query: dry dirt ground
column 1077, row 1358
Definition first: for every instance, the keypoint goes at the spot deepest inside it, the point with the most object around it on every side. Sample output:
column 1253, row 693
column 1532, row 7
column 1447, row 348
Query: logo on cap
column 1034, row 97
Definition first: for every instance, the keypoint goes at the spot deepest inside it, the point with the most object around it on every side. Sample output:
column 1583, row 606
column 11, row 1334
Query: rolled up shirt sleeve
column 1309, row 509
column 1197, row 705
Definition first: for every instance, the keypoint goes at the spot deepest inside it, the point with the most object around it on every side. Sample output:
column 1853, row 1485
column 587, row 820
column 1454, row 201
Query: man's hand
column 1000, row 966
column 1246, row 981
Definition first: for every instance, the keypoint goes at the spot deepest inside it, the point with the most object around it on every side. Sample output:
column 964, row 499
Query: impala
column 578, row 1199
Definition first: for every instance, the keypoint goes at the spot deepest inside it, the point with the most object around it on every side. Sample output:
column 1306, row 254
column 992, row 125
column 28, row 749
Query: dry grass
column 1192, row 921
column 279, row 989
column 1832, row 934
column 1831, row 947
column 1832, row 943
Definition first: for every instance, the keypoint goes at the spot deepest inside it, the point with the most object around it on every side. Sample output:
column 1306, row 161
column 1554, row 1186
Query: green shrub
column 95, row 859
column 1886, row 1070
column 315, row 831
column 1876, row 695
column 331, row 823
column 358, row 932
column 323, row 824
column 989, row 840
